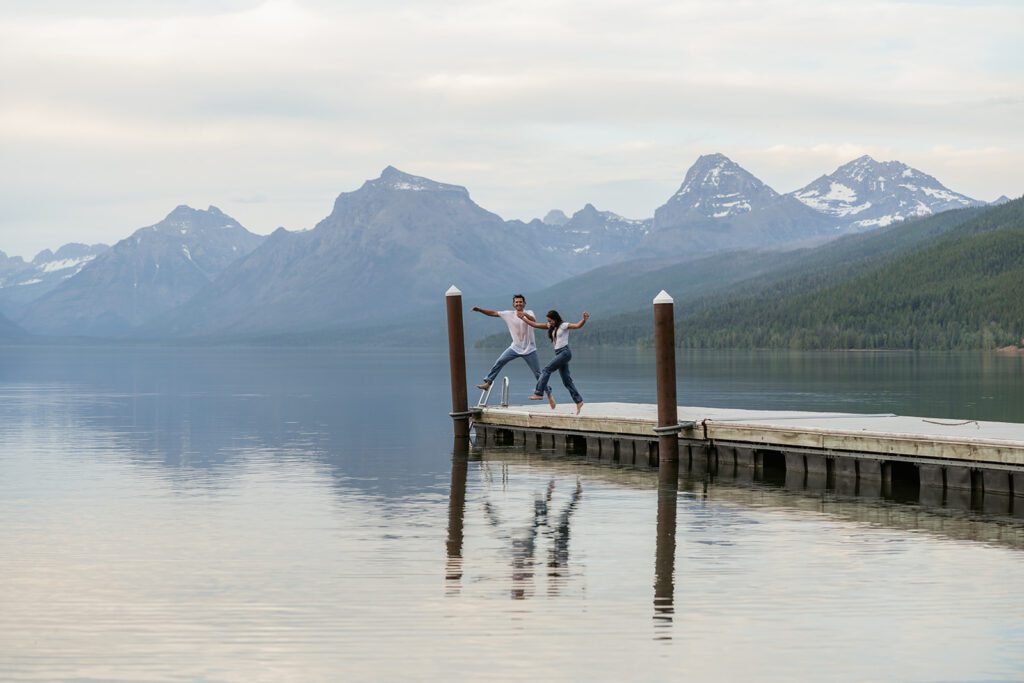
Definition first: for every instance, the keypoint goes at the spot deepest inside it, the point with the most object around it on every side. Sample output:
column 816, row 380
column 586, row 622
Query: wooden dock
column 983, row 457
column 877, row 453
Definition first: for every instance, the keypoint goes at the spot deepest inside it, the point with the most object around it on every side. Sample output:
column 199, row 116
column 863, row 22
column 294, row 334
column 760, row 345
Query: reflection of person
column 524, row 544
column 558, row 557
column 523, row 344
column 558, row 333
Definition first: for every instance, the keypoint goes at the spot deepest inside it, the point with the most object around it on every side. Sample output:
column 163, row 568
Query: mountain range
column 142, row 276
column 23, row 282
column 722, row 206
column 387, row 249
column 943, row 282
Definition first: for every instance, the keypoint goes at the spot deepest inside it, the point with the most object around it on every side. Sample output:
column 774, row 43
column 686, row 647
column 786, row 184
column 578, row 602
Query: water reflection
column 523, row 540
column 520, row 542
column 244, row 515
column 558, row 554
column 456, row 513
column 665, row 552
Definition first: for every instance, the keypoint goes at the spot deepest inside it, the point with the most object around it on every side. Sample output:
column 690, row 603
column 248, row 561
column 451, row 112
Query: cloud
column 529, row 104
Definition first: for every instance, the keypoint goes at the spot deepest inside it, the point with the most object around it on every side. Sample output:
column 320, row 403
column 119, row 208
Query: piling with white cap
column 665, row 364
column 457, row 361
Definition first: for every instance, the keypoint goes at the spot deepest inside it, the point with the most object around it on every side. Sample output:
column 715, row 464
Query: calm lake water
column 246, row 515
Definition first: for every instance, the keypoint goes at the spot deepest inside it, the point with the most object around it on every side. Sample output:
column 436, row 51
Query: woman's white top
column 562, row 336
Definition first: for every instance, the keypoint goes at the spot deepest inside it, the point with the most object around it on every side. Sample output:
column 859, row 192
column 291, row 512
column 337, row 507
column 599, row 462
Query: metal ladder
column 486, row 394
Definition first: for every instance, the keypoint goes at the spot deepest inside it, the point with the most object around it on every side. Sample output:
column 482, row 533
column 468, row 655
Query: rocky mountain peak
column 393, row 180
column 866, row 193
column 184, row 220
column 555, row 217
column 43, row 256
column 717, row 187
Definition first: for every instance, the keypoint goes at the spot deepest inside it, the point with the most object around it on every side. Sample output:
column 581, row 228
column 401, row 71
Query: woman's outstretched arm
column 581, row 323
column 531, row 322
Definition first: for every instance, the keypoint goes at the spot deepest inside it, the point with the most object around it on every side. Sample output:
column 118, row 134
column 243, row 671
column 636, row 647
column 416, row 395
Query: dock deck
column 966, row 454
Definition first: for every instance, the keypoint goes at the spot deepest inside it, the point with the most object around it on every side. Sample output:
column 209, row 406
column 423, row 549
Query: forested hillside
column 952, row 281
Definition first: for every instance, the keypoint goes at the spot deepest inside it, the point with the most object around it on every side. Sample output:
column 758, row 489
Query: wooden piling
column 665, row 358
column 457, row 360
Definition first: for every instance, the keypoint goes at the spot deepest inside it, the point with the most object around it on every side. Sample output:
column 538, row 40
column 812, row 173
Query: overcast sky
column 114, row 112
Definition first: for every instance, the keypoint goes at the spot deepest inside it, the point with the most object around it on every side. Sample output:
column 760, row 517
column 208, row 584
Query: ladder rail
column 485, row 394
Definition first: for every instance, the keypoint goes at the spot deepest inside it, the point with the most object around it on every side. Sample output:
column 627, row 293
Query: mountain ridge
column 154, row 269
column 856, row 194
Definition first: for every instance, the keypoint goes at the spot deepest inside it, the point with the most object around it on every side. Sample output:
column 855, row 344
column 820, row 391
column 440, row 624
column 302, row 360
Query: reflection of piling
column 665, row 548
column 665, row 356
column 457, row 359
column 457, row 510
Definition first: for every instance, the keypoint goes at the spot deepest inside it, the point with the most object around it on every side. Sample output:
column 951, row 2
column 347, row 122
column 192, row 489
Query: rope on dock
column 952, row 424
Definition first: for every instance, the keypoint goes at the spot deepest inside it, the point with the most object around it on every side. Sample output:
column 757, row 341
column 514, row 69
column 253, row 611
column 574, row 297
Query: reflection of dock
column 868, row 454
column 952, row 517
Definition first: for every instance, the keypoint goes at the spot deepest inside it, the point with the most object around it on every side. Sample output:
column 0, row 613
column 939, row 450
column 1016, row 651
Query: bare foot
column 551, row 401
column 535, row 397
column 483, row 386
column 579, row 407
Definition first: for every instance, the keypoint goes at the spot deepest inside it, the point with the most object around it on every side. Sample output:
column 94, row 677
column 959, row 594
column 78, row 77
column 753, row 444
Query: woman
column 558, row 333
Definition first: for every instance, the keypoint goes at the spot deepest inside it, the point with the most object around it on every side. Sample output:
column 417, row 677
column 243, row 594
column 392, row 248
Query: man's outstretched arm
column 486, row 311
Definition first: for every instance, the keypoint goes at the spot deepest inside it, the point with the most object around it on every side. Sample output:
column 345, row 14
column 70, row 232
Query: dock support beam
column 457, row 360
column 665, row 357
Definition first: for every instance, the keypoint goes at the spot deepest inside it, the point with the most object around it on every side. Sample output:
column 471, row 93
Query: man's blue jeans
column 507, row 355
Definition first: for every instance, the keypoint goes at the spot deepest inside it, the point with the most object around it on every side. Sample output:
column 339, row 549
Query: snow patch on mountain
column 865, row 193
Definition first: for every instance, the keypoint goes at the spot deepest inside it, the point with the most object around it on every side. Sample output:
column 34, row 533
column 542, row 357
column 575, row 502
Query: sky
column 113, row 112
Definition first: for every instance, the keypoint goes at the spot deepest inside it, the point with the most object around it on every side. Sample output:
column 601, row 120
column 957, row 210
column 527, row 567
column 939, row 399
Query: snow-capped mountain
column 21, row 282
column 999, row 202
column 715, row 187
column 865, row 194
column 68, row 260
column 153, row 270
column 721, row 205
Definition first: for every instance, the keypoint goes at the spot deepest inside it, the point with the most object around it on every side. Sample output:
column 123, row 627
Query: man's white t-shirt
column 562, row 336
column 522, row 334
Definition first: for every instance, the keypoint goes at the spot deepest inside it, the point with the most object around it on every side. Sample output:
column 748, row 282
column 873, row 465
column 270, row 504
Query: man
column 523, row 343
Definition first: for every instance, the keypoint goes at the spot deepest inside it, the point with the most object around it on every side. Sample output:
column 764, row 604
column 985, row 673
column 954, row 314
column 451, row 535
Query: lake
column 293, row 514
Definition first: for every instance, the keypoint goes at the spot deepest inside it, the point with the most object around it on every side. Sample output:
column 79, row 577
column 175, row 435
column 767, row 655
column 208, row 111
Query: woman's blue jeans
column 561, row 363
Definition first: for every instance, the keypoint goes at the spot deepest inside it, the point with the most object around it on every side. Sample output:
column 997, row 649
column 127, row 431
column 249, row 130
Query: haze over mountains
column 386, row 250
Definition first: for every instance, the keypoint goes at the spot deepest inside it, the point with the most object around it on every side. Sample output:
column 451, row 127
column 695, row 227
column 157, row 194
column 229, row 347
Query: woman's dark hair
column 558, row 321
